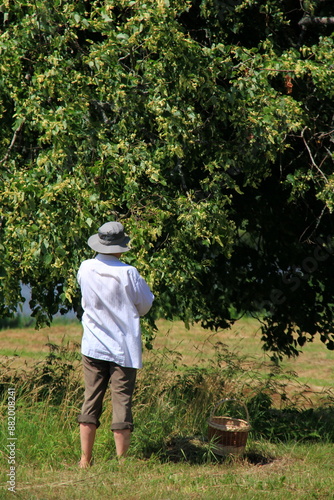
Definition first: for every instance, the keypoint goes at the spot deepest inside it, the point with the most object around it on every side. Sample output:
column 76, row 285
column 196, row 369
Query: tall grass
column 172, row 404
column 170, row 456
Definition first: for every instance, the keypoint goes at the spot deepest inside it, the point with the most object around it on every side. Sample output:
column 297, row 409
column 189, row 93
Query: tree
column 206, row 127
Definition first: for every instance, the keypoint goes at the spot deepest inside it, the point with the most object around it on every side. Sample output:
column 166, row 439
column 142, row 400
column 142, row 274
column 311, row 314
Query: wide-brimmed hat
column 110, row 239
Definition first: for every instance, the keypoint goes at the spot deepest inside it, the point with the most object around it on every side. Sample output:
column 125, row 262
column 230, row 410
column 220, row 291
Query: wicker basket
column 229, row 435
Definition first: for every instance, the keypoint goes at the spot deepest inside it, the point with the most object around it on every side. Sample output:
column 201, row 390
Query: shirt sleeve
column 143, row 295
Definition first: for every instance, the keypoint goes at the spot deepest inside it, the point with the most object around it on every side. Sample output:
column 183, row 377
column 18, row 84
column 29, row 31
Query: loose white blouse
column 114, row 296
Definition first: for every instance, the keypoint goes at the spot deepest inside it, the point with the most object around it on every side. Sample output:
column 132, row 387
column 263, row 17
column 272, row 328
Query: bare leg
column 87, row 437
column 122, row 442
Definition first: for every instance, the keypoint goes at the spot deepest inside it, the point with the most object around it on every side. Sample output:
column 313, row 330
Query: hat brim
column 94, row 243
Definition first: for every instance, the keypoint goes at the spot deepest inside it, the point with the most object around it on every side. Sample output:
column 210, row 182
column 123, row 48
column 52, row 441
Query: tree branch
column 311, row 156
column 16, row 133
column 308, row 20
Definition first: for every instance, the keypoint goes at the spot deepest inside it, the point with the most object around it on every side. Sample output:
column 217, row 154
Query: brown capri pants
column 97, row 374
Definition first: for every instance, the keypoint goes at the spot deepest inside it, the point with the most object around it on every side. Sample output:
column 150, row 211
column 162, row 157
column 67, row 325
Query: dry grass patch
column 314, row 368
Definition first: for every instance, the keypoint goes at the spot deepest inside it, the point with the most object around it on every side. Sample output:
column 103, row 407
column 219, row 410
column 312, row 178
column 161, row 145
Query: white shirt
column 114, row 296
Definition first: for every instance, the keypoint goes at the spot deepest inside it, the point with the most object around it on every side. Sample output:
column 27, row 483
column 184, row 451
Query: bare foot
column 121, row 460
column 84, row 464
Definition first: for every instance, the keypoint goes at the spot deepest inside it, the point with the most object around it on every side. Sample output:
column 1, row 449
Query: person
column 113, row 297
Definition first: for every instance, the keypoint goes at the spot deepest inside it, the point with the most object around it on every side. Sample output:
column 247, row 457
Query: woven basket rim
column 245, row 427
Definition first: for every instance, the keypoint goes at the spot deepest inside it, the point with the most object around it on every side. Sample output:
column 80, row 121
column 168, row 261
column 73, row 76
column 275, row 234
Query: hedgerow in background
column 205, row 127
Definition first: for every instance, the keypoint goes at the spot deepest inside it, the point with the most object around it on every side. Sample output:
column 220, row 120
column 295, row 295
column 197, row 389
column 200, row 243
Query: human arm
column 143, row 296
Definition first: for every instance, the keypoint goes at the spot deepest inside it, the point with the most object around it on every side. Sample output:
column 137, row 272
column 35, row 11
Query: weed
column 52, row 379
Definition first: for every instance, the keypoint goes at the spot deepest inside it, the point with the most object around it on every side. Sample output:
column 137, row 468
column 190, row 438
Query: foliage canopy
column 206, row 127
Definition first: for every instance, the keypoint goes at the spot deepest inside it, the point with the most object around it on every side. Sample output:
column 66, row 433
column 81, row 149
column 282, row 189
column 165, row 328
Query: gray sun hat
column 110, row 239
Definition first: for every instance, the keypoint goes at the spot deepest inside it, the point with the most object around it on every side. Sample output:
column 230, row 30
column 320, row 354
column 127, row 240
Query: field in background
column 314, row 367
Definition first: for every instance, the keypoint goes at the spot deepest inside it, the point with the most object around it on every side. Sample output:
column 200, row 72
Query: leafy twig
column 311, row 156
column 16, row 133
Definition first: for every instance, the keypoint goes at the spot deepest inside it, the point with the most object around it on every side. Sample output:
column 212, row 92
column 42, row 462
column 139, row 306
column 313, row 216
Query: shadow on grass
column 195, row 451
column 293, row 424
column 268, row 426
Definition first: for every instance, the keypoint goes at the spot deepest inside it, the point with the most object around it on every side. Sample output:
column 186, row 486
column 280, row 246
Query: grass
column 244, row 337
column 195, row 347
column 298, row 472
column 289, row 449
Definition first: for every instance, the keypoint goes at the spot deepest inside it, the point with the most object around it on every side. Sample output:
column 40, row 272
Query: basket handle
column 231, row 399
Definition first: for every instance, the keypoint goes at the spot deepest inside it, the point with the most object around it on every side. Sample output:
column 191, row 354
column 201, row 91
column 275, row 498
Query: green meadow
column 289, row 451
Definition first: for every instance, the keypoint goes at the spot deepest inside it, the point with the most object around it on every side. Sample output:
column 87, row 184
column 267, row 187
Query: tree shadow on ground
column 195, row 451
column 293, row 424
